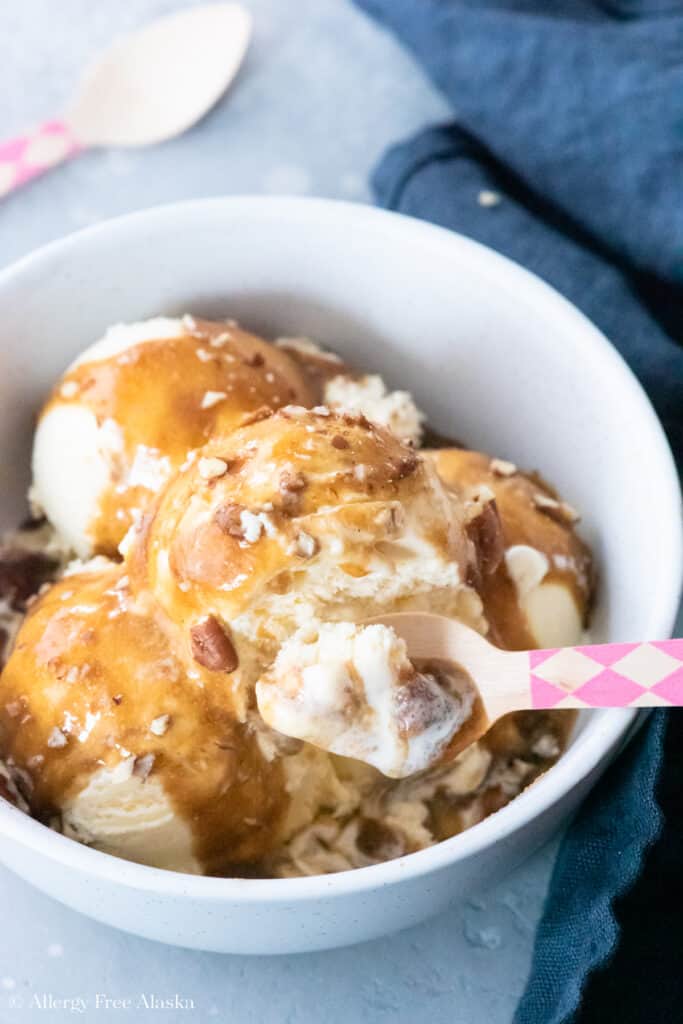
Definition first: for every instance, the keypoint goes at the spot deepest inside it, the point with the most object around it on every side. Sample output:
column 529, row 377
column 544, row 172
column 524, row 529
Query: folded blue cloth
column 566, row 154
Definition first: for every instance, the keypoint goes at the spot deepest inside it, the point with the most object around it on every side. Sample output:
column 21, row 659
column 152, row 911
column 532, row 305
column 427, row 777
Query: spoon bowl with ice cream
column 409, row 690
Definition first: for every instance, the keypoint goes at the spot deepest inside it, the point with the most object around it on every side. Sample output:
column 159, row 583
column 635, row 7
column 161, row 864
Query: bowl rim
column 601, row 735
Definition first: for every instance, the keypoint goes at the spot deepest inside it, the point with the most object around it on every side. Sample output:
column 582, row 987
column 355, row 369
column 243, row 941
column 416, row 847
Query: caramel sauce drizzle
column 288, row 466
column 522, row 523
column 90, row 673
column 171, row 396
column 97, row 661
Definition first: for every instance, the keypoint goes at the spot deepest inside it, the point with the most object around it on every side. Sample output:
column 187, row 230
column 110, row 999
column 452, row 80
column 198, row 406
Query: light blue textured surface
column 464, row 967
column 322, row 93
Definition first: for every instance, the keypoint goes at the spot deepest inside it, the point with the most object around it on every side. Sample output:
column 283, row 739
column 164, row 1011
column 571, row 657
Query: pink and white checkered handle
column 608, row 676
column 27, row 156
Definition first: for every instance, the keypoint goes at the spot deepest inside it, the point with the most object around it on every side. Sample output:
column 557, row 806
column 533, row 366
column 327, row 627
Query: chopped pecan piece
column 255, row 359
column 306, row 546
column 560, row 511
column 57, row 739
column 291, row 485
column 212, row 468
column 501, row 467
column 420, row 704
column 142, row 766
column 404, row 466
column 159, row 725
column 292, row 481
column 486, row 533
column 262, row 413
column 228, row 519
column 377, row 840
column 212, row 647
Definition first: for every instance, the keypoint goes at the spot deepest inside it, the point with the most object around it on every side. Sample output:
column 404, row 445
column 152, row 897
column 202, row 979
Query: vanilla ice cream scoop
column 301, row 515
column 346, row 391
column 539, row 588
column 368, row 394
column 126, row 413
column 351, row 690
column 141, row 755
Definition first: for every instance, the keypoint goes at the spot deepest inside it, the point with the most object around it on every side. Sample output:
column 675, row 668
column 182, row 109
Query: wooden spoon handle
column 27, row 156
column 608, row 676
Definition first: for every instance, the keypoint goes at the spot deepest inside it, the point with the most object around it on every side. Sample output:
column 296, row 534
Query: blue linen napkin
column 566, row 154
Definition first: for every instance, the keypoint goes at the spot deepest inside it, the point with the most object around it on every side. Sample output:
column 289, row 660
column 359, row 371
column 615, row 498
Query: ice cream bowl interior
column 495, row 358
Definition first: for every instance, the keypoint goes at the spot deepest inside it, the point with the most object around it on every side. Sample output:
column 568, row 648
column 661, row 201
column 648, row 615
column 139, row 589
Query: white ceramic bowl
column 495, row 357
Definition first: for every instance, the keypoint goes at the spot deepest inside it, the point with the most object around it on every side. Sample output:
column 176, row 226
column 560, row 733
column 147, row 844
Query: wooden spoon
column 620, row 675
column 153, row 84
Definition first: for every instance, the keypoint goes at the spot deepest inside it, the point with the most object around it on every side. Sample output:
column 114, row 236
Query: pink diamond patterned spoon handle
column 620, row 675
column 27, row 156
column 607, row 675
